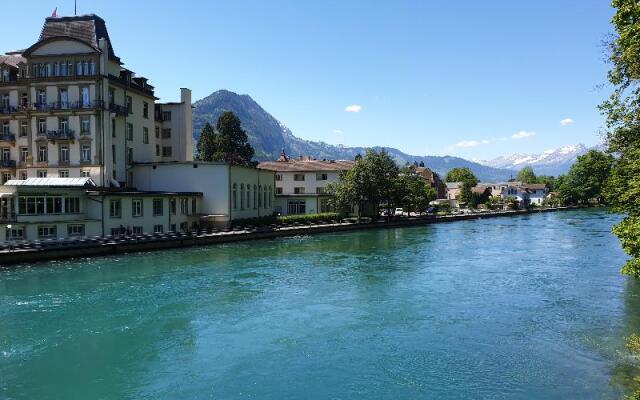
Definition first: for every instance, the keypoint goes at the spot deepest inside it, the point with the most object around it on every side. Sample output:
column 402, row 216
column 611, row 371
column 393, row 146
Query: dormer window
column 5, row 75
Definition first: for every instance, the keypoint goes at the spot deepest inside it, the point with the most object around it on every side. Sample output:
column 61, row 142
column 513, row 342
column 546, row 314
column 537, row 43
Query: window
column 85, row 124
column 24, row 100
column 158, row 228
column 64, row 154
column 42, row 153
column 325, row 206
column 145, row 109
column 145, row 135
column 24, row 153
column 270, row 197
column 47, row 231
column 157, row 150
column 235, row 196
column 166, row 133
column 278, row 177
column 137, row 230
column 23, row 175
column 129, row 104
column 84, row 96
column 63, row 124
column 85, row 155
column 255, row 197
column 113, row 153
column 5, row 102
column 157, row 132
column 113, row 128
column 157, row 207
column 24, row 128
column 194, row 206
column 296, row 207
column 5, row 128
column 278, row 190
column 320, row 190
column 242, row 196
column 63, row 173
column 298, row 190
column 6, row 176
column 42, row 98
column 112, row 95
column 115, row 209
column 41, row 173
column 79, row 68
column 64, row 98
column 129, row 131
column 136, row 209
column 184, row 206
column 15, row 233
column 166, row 115
column 85, row 173
column 166, row 151
column 5, row 154
column 184, row 226
column 75, row 230
column 298, row 177
column 172, row 206
column 248, row 196
column 129, row 155
column 72, row 205
column 42, row 125
column 321, row 177
column 265, row 197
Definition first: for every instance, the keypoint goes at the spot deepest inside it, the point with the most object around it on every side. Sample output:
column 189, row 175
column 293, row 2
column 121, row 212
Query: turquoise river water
column 529, row 307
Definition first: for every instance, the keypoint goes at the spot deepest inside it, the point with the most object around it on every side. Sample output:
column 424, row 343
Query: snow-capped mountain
column 551, row 162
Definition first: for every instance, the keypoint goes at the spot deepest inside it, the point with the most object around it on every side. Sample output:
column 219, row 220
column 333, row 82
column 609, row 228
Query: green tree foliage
column 463, row 175
column 622, row 111
column 370, row 182
column 414, row 193
column 526, row 175
column 206, row 146
column 232, row 144
column 586, row 178
column 548, row 180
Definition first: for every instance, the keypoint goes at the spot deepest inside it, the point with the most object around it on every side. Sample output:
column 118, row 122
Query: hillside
column 267, row 135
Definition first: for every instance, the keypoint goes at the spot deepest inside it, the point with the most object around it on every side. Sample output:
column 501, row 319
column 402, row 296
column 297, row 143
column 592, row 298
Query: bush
column 286, row 219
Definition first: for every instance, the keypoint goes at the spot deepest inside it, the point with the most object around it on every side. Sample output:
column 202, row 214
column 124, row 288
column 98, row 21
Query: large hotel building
column 86, row 150
column 69, row 108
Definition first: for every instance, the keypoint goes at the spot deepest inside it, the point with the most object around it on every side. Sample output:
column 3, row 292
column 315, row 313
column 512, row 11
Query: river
column 525, row 307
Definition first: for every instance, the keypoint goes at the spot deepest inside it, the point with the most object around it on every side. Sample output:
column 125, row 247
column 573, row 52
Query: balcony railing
column 7, row 137
column 66, row 134
column 7, row 163
column 8, row 217
column 9, row 110
column 119, row 110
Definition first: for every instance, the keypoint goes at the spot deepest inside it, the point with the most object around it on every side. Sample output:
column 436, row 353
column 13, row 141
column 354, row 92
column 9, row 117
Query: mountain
column 267, row 135
column 551, row 162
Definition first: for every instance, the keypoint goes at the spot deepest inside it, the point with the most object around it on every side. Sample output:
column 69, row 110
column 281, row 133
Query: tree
column 422, row 164
column 206, row 147
column 548, row 180
column 622, row 111
column 526, row 175
column 463, row 175
column 414, row 193
column 371, row 181
column 232, row 144
column 586, row 178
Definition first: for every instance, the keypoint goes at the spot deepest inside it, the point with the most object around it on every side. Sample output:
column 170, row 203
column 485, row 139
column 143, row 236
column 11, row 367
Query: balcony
column 7, row 163
column 120, row 111
column 7, row 137
column 7, row 217
column 9, row 110
column 66, row 134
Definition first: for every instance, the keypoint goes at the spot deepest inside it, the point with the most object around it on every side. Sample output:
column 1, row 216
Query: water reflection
column 625, row 374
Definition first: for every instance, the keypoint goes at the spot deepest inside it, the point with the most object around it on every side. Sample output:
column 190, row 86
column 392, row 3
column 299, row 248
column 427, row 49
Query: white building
column 525, row 194
column 69, row 108
column 300, row 183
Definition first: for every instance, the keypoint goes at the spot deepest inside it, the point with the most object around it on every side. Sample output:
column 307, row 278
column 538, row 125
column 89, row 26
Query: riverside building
column 301, row 183
column 69, row 108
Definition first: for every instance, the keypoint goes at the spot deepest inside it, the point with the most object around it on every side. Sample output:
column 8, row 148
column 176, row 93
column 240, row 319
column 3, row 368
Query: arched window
column 265, row 196
column 235, row 196
column 248, row 196
column 255, row 197
column 270, row 196
column 259, row 195
column 242, row 196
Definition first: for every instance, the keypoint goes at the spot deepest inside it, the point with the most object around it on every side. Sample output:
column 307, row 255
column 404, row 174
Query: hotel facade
column 86, row 149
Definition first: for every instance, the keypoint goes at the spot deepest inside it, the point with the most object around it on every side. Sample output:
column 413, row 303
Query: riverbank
column 141, row 244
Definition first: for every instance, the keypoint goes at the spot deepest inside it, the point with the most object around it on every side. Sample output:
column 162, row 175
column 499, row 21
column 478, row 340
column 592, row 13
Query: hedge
column 287, row 219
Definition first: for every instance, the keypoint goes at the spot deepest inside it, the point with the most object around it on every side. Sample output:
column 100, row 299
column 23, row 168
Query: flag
column 54, row 14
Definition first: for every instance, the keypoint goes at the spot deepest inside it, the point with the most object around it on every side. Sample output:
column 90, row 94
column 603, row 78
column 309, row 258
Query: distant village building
column 434, row 180
column 526, row 194
column 300, row 183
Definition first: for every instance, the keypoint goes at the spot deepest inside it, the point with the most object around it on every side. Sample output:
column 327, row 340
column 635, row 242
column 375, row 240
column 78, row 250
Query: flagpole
column 75, row 7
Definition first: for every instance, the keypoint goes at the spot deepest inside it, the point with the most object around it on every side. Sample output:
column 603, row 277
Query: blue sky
column 468, row 78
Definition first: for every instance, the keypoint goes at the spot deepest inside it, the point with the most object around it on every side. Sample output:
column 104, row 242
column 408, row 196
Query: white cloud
column 338, row 131
column 470, row 143
column 354, row 108
column 566, row 121
column 523, row 134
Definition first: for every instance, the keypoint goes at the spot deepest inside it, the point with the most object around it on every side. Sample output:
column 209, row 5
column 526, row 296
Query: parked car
column 432, row 210
column 398, row 212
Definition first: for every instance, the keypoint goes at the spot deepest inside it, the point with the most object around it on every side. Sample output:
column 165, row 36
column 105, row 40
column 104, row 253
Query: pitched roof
column 12, row 59
column 454, row 185
column 52, row 182
column 306, row 165
column 534, row 186
column 86, row 28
